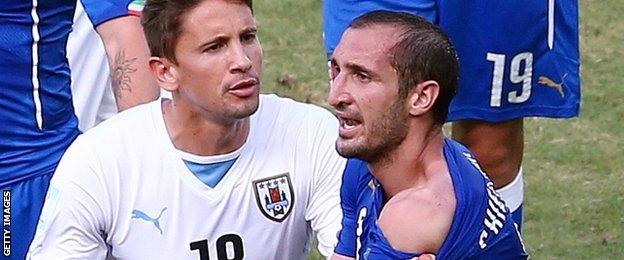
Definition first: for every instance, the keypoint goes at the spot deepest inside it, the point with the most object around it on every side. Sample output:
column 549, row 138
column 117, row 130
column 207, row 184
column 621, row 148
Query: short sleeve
column 71, row 224
column 100, row 11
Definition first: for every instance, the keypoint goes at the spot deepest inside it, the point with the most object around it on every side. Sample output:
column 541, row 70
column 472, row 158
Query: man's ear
column 165, row 72
column 422, row 97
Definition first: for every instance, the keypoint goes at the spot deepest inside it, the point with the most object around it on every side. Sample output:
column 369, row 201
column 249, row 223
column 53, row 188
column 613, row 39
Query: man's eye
column 334, row 71
column 214, row 47
column 363, row 77
column 249, row 37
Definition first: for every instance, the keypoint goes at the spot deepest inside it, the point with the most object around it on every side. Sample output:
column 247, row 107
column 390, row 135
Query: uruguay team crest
column 275, row 196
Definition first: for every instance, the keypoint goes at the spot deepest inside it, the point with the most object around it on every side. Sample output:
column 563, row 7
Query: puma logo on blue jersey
column 552, row 84
column 156, row 221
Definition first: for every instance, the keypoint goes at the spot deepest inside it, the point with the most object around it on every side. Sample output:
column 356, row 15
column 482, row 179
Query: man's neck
column 409, row 165
column 194, row 133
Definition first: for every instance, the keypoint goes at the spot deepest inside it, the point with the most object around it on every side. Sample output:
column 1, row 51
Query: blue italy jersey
column 482, row 227
column 36, row 114
column 517, row 58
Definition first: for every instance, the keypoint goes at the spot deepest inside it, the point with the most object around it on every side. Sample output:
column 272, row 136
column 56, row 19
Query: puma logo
column 551, row 84
column 156, row 221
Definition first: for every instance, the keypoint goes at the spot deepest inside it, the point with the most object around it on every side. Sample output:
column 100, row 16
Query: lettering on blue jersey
column 360, row 230
column 275, row 196
column 156, row 221
column 495, row 214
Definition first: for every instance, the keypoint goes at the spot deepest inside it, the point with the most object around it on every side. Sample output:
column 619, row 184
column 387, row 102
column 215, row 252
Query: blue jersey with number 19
column 482, row 227
column 517, row 58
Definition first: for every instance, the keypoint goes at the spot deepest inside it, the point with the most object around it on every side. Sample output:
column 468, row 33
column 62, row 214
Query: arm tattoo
column 120, row 73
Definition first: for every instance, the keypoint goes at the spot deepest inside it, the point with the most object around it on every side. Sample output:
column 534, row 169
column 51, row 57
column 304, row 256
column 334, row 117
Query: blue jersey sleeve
column 100, row 11
column 482, row 227
column 348, row 201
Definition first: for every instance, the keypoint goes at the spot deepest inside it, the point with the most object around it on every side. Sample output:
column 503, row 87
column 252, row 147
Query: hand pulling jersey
column 123, row 185
column 482, row 227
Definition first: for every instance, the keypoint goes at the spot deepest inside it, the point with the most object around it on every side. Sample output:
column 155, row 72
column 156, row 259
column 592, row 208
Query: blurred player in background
column 36, row 112
column 91, row 89
column 415, row 191
column 517, row 59
column 218, row 172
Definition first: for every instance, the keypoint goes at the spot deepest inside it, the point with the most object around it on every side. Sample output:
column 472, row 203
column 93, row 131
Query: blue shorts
column 22, row 203
column 517, row 58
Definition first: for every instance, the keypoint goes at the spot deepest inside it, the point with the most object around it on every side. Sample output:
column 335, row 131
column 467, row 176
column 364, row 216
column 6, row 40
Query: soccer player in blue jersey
column 36, row 113
column 411, row 190
column 217, row 172
column 518, row 59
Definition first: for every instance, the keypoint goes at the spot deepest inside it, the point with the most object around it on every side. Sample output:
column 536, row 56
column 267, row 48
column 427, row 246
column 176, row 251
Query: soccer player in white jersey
column 218, row 172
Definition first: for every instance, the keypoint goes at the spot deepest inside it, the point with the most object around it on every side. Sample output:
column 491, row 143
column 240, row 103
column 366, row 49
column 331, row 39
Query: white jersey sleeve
column 73, row 212
column 324, row 211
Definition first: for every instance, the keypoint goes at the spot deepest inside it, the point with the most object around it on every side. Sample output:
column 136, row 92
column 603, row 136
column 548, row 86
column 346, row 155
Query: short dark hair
column 424, row 52
column 162, row 23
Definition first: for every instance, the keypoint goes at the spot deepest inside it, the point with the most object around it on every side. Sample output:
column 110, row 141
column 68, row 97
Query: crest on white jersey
column 275, row 196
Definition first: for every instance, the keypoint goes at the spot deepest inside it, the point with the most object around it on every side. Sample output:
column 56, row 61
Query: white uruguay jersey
column 123, row 186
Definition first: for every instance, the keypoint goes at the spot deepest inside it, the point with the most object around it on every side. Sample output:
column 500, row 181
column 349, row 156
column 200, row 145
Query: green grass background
column 574, row 169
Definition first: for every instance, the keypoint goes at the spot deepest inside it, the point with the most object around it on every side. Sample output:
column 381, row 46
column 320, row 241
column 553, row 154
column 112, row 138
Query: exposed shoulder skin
column 417, row 220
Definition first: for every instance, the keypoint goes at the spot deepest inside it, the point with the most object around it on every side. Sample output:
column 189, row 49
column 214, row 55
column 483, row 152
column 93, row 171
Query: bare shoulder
column 418, row 220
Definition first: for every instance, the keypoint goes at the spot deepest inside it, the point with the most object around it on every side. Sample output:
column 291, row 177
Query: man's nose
column 240, row 59
column 338, row 96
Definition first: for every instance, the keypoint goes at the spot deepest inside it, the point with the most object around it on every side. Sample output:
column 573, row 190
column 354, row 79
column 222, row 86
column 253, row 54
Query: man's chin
column 347, row 150
column 244, row 111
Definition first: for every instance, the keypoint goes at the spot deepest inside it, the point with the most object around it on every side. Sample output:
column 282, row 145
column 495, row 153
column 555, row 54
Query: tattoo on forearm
column 120, row 73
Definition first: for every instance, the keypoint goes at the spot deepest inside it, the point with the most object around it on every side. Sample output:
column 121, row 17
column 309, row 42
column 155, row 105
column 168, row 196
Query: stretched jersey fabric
column 482, row 227
column 517, row 59
column 123, row 185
